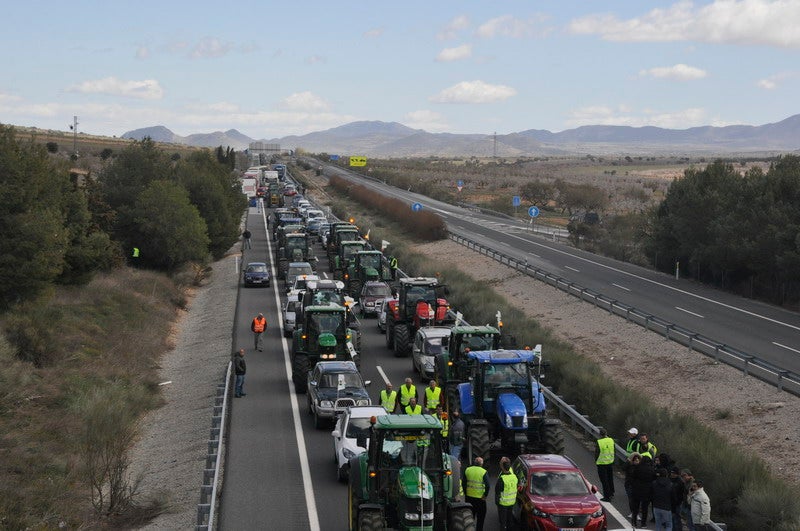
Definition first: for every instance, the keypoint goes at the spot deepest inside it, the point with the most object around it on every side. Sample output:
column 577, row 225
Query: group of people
column 258, row 326
column 652, row 479
column 406, row 401
column 475, row 480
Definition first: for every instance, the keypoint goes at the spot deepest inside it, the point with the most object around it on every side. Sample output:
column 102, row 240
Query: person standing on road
column 505, row 494
column 701, row 507
column 686, row 508
column 604, row 458
column 258, row 326
column 407, row 391
column 632, row 444
column 476, row 478
column 393, row 267
column 413, row 408
column 643, row 476
column 239, row 369
column 444, row 418
column 246, row 243
column 389, row 398
column 457, row 429
column 433, row 396
column 662, row 500
column 646, row 448
column 678, row 496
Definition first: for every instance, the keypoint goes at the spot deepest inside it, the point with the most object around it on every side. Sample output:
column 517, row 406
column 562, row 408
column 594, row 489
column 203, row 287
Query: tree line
column 56, row 231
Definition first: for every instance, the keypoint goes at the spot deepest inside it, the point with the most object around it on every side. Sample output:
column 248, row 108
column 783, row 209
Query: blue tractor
column 503, row 402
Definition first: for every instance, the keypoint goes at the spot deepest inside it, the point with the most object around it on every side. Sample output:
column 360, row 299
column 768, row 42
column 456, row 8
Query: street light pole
column 74, row 128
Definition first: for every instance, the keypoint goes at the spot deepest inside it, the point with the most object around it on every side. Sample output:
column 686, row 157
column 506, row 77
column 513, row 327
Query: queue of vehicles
column 496, row 389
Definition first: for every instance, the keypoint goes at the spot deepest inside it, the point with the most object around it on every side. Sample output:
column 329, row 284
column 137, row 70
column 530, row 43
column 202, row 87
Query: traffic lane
column 263, row 481
column 711, row 313
column 397, row 369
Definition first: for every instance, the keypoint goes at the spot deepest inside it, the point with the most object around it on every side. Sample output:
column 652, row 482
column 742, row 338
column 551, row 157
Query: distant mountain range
column 391, row 139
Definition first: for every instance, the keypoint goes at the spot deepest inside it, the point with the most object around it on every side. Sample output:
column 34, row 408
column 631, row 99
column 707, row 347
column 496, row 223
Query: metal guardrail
column 749, row 364
column 206, row 509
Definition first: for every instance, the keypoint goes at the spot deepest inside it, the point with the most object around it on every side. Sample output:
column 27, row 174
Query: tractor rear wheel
column 478, row 442
column 401, row 340
column 461, row 520
column 370, row 521
column 552, row 439
column 300, row 368
column 389, row 335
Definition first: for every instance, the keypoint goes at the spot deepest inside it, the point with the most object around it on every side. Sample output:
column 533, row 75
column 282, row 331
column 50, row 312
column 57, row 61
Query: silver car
column 428, row 343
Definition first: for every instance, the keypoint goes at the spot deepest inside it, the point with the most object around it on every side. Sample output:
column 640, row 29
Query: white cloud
column 455, row 54
column 451, row 30
column 305, row 101
column 147, row 89
column 374, row 33
column 473, row 92
column 509, row 26
column 624, row 115
column 680, row 72
column 772, row 82
column 8, row 98
column 761, row 22
column 210, row 47
column 430, row 121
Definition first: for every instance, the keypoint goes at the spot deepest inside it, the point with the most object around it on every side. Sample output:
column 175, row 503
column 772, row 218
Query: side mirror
column 336, row 433
column 312, row 383
column 593, row 489
column 367, row 383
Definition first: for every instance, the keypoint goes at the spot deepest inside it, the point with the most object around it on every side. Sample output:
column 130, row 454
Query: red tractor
column 420, row 302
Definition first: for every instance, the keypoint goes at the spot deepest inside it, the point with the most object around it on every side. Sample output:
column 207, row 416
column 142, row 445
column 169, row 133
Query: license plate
column 570, row 529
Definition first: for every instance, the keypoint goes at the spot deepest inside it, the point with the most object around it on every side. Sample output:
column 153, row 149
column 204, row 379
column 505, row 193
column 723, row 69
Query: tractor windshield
column 411, row 448
column 296, row 243
column 478, row 342
column 327, row 322
column 371, row 260
column 322, row 298
column 418, row 293
column 349, row 250
column 515, row 374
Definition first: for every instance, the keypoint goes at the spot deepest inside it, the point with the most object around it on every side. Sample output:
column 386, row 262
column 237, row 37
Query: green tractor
column 363, row 267
column 294, row 247
column 405, row 480
column 274, row 195
column 322, row 335
column 341, row 232
column 344, row 252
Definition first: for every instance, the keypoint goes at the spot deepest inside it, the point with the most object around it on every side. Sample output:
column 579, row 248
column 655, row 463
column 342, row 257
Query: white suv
column 351, row 434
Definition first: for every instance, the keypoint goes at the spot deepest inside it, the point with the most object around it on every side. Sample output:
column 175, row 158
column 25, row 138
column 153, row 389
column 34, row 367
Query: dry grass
column 108, row 333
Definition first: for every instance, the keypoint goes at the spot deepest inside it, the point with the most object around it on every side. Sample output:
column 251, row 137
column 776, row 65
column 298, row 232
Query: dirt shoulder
column 761, row 419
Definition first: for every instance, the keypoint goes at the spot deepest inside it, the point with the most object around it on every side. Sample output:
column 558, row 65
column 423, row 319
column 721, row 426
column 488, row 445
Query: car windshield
column 550, row 483
column 357, row 427
column 257, row 268
column 433, row 346
column 378, row 290
column 331, row 380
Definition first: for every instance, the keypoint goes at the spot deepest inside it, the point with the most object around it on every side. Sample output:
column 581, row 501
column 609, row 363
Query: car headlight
column 348, row 453
column 598, row 513
column 325, row 403
column 362, row 402
column 540, row 514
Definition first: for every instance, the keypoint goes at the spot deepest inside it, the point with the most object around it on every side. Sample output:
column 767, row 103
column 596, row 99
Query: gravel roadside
column 171, row 451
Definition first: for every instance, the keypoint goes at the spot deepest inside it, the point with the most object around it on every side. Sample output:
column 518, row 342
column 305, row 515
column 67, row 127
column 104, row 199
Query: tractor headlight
column 325, row 403
column 415, row 516
column 508, row 420
column 525, row 421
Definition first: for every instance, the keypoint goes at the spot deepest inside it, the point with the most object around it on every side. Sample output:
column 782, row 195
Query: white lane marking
column 305, row 469
column 621, row 287
column 787, row 348
column 690, row 313
column 616, row 514
column 572, row 269
column 620, row 271
column 170, row 381
column 383, row 375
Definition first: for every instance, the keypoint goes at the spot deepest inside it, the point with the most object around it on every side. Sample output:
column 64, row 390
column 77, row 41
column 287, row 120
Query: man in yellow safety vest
column 604, row 458
column 389, row 398
column 505, row 494
column 477, row 480
column 407, row 391
column 433, row 395
column 413, row 408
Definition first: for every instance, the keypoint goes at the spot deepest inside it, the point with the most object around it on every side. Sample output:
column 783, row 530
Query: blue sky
column 271, row 69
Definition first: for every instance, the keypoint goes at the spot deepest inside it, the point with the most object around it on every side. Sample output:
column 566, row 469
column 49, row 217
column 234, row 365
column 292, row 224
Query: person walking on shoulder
column 505, row 494
column 246, row 243
column 604, row 458
column 258, row 326
column 239, row 369
column 476, row 478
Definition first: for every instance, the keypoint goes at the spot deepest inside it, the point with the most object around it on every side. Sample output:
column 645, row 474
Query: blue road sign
column 533, row 211
column 416, row 207
column 334, row 157
column 459, row 183
column 515, row 201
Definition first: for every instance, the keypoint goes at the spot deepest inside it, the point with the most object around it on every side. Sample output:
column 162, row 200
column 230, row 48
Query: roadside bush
column 32, row 335
column 52, row 147
column 14, row 376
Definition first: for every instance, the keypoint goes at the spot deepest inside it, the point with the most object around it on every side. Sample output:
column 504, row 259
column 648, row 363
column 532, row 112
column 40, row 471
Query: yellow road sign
column 358, row 161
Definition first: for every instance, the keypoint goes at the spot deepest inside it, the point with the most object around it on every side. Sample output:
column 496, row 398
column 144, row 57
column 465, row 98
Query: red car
column 555, row 496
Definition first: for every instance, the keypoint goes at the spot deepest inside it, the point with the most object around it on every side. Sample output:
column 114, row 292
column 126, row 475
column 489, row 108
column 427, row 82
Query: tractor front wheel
column 300, row 368
column 461, row 520
column 370, row 521
column 552, row 439
column 478, row 442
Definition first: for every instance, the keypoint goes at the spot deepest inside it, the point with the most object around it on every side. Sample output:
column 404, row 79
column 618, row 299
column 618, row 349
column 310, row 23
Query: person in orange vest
column 258, row 326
